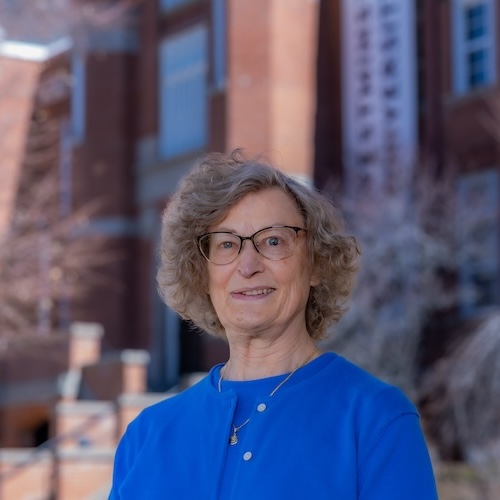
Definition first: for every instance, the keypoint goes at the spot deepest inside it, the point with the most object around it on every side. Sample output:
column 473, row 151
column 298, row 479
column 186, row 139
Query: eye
column 222, row 242
column 226, row 245
column 273, row 241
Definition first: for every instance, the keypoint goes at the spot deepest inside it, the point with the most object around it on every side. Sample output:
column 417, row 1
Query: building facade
column 330, row 90
column 416, row 84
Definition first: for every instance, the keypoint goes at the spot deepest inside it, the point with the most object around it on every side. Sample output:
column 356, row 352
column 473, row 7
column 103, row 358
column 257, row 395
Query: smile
column 260, row 291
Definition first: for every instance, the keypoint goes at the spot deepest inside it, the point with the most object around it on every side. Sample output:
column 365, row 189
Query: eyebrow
column 227, row 230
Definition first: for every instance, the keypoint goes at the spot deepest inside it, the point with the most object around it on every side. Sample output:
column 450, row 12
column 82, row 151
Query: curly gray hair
column 204, row 198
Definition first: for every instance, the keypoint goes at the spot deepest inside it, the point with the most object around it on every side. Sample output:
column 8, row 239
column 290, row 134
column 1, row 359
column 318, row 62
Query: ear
column 315, row 279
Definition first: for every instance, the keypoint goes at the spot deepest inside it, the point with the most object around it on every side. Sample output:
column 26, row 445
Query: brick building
column 324, row 88
column 418, row 80
column 145, row 97
column 214, row 76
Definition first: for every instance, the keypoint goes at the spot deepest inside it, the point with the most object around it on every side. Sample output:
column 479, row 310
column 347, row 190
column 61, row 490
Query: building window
column 479, row 253
column 219, row 43
column 169, row 5
column 183, row 92
column 474, row 38
column 78, row 77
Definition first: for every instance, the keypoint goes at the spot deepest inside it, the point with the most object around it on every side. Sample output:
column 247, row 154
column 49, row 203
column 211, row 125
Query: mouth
column 255, row 292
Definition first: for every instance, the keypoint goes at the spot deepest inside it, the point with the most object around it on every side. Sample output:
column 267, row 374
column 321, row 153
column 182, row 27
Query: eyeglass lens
column 274, row 243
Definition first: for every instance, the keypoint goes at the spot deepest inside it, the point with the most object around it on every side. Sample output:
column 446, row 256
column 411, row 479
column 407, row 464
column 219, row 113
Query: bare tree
column 49, row 256
column 413, row 247
column 46, row 259
column 462, row 393
column 46, row 20
column 406, row 236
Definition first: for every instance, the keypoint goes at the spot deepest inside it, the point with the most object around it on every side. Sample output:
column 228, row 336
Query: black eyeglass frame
column 251, row 238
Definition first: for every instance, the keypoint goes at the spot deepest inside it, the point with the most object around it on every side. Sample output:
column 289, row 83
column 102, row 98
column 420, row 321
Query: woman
column 257, row 258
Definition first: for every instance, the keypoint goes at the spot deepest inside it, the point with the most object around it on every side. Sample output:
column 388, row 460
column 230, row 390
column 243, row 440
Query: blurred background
column 390, row 107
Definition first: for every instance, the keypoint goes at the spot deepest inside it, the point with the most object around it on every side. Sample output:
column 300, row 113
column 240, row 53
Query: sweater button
column 262, row 407
column 247, row 456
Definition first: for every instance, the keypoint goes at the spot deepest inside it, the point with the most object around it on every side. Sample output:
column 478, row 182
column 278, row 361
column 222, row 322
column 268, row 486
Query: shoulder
column 376, row 411
column 169, row 408
column 148, row 431
column 368, row 393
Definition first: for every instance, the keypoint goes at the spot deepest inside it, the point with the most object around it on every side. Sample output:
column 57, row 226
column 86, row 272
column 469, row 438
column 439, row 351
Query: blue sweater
column 331, row 432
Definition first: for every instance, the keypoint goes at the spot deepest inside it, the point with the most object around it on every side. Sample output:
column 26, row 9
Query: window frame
column 219, row 44
column 462, row 47
column 168, row 6
column 168, row 128
column 78, row 98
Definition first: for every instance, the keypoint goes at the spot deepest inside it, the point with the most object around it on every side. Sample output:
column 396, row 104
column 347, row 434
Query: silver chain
column 234, row 436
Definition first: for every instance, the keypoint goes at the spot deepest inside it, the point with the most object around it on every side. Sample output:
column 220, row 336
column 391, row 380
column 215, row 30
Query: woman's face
column 253, row 294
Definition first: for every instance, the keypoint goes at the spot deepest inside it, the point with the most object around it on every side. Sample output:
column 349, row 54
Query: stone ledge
column 19, row 456
column 90, row 453
column 127, row 356
column 142, row 400
column 86, row 330
column 84, row 407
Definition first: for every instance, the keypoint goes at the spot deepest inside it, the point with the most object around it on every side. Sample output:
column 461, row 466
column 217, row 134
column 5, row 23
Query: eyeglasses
column 274, row 243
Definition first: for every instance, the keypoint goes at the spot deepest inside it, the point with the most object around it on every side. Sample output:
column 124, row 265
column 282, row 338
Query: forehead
column 270, row 206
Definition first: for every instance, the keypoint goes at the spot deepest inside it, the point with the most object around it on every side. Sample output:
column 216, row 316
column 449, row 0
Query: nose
column 249, row 260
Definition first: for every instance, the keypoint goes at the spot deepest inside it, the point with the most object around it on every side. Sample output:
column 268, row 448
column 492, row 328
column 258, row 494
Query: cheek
column 214, row 279
column 215, row 286
column 298, row 281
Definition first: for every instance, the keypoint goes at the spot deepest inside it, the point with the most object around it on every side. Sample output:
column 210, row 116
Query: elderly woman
column 257, row 258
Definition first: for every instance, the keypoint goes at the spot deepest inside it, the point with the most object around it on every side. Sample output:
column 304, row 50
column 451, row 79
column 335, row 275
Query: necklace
column 233, row 439
column 234, row 436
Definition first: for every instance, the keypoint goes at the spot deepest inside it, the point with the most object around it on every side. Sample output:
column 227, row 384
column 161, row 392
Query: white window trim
column 460, row 47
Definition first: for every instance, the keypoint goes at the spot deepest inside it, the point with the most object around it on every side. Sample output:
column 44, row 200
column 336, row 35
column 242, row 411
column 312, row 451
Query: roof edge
column 33, row 51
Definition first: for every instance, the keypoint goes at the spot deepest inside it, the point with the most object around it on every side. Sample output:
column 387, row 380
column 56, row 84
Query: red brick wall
column 18, row 85
column 271, row 94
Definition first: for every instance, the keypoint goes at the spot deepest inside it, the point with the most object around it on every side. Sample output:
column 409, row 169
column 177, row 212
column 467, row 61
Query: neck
column 254, row 360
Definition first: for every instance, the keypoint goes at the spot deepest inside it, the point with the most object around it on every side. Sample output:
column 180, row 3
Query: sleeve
column 397, row 464
column 119, row 468
column 122, row 463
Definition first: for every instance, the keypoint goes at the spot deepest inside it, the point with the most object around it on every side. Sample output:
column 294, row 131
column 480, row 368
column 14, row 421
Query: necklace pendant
column 233, row 439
